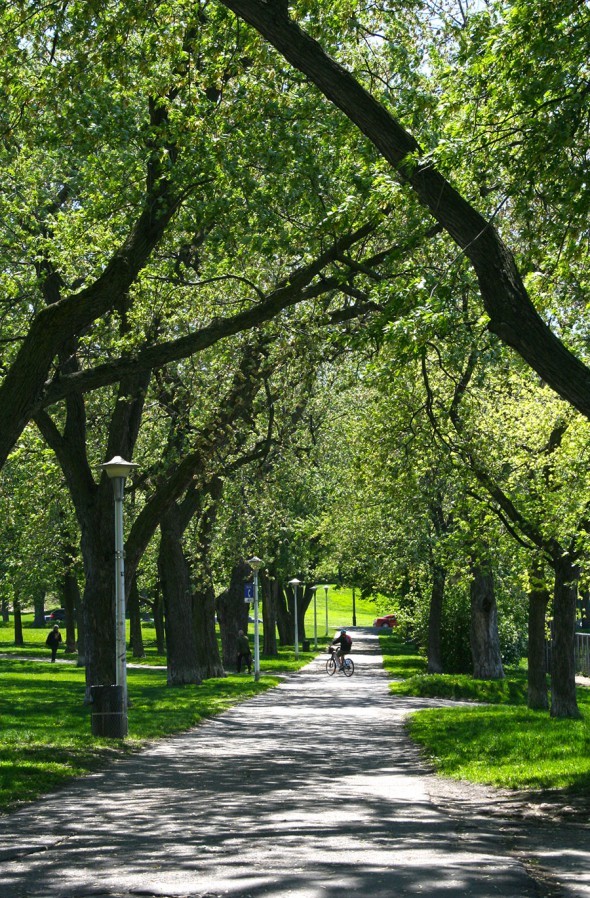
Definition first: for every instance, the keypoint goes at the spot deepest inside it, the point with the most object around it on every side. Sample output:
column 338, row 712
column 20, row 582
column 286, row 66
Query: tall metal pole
column 295, row 583
column 354, row 606
column 296, row 627
column 120, row 636
column 315, row 618
column 326, row 591
column 117, row 469
column 256, row 563
column 256, row 632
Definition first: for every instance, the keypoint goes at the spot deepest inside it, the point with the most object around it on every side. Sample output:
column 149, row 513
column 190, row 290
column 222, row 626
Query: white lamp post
column 256, row 563
column 315, row 618
column 326, row 588
column 295, row 583
column 117, row 469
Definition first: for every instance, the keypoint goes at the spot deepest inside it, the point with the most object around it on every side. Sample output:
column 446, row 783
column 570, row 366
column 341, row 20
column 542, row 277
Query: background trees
column 169, row 183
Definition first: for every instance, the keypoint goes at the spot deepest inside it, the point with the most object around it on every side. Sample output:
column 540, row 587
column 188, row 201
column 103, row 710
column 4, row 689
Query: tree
column 512, row 315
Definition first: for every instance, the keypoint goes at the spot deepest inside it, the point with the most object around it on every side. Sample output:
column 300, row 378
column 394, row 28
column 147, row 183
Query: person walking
column 244, row 653
column 54, row 641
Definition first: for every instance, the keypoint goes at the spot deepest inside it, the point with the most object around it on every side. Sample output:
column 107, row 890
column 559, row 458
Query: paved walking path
column 311, row 790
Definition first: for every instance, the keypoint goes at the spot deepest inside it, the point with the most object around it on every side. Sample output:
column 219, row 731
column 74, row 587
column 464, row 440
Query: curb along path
column 311, row 790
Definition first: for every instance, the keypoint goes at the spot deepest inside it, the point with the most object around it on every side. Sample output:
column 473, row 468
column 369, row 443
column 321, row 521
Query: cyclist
column 343, row 643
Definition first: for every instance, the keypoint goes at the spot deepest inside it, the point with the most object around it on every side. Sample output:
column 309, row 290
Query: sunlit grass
column 340, row 610
column 497, row 741
column 507, row 746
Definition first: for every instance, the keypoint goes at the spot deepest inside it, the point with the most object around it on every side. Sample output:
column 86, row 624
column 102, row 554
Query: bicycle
column 347, row 666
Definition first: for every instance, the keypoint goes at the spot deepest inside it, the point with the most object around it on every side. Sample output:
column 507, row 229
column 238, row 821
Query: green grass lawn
column 340, row 610
column 501, row 743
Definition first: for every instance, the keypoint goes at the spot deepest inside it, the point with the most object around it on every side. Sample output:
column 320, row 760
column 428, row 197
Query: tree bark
column 563, row 668
column 39, row 607
column 269, row 616
column 178, row 602
column 539, row 597
column 437, row 593
column 135, row 631
column 284, row 618
column 208, row 658
column 159, row 625
column 18, row 623
column 485, row 641
column 232, row 613
column 71, row 594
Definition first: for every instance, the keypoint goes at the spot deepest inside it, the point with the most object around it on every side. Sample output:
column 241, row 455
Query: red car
column 388, row 620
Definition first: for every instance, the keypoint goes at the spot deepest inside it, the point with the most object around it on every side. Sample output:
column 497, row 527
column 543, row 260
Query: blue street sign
column 248, row 592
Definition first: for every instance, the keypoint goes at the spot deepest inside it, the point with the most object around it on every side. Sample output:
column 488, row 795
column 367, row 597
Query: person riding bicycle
column 343, row 643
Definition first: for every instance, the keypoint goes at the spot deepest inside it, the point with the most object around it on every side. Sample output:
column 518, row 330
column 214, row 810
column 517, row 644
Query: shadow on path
column 311, row 789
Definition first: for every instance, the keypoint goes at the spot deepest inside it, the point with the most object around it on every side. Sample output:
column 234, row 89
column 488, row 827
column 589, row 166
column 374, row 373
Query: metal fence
column 583, row 654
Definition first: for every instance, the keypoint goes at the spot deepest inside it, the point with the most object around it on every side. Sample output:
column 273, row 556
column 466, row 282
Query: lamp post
column 295, row 583
column 256, row 563
column 117, row 470
column 326, row 588
column 315, row 618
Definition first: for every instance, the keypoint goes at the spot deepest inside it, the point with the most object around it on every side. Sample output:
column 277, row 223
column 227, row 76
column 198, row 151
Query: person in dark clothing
column 343, row 643
column 53, row 641
column 244, row 653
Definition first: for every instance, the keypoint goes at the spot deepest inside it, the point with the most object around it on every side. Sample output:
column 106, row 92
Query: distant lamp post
column 295, row 583
column 117, row 470
column 256, row 563
column 326, row 588
column 315, row 617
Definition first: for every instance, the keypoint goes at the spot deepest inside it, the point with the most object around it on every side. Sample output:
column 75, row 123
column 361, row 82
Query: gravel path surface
column 311, row 790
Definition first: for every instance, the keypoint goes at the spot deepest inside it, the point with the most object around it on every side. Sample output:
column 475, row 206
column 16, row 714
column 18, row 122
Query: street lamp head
column 294, row 582
column 118, row 467
column 255, row 563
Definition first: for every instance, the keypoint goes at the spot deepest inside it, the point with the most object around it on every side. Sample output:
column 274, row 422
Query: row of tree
column 294, row 312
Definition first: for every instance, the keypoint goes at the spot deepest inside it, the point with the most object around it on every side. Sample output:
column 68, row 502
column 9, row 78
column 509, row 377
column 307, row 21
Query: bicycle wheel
column 348, row 667
column 330, row 666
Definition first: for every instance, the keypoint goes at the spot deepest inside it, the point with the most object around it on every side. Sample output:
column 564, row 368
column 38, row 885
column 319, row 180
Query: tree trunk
column 135, row 631
column 5, row 612
column 284, row 619
column 71, row 594
column 81, row 627
column 304, row 597
column 563, row 668
column 206, row 502
column 485, row 641
column 18, row 623
column 268, row 589
column 99, row 611
column 537, row 670
column 439, row 576
column 178, row 603
column 208, row 658
column 39, row 607
column 232, row 613
column 158, row 612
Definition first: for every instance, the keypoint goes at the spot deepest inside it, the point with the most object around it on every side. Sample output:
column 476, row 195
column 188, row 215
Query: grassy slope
column 503, row 744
